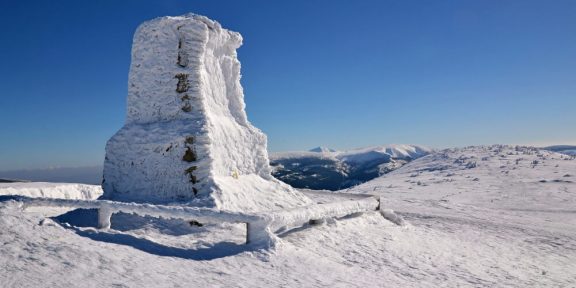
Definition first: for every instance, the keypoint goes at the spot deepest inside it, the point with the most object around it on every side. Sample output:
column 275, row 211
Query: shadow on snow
column 125, row 222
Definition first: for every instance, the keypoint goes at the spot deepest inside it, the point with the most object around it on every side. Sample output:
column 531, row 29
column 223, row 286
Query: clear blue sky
column 338, row 73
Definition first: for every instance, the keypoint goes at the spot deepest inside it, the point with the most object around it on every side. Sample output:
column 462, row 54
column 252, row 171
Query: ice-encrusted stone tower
column 186, row 137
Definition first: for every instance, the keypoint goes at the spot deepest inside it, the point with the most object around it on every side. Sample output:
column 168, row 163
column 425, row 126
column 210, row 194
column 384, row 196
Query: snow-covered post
column 258, row 234
column 317, row 221
column 104, row 215
column 389, row 215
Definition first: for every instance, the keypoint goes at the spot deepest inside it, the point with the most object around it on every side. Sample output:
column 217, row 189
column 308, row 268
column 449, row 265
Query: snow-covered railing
column 256, row 225
column 286, row 219
column 259, row 227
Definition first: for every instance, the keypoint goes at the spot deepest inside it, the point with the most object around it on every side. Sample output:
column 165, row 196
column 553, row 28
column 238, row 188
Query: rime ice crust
column 187, row 137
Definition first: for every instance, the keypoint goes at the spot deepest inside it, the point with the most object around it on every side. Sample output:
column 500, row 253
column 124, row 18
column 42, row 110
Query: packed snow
column 489, row 216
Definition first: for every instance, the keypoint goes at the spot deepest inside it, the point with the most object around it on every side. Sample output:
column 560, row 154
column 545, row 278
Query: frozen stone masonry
column 187, row 138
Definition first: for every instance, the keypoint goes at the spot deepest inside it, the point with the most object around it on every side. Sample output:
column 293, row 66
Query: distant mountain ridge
column 3, row 180
column 564, row 149
column 318, row 168
column 84, row 175
column 322, row 149
column 325, row 168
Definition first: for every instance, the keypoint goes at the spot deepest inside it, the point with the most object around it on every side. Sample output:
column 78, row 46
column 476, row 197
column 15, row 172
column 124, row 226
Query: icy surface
column 187, row 137
column 52, row 190
column 506, row 229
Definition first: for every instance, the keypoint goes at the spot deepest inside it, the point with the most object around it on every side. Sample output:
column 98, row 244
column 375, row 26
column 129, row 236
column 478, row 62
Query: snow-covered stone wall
column 187, row 137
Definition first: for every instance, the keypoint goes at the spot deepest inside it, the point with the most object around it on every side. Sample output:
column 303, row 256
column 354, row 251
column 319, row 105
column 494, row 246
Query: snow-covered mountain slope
column 564, row 149
column 324, row 168
column 52, row 190
column 497, row 177
column 494, row 223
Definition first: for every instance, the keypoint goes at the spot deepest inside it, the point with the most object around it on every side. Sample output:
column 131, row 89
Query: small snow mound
column 393, row 217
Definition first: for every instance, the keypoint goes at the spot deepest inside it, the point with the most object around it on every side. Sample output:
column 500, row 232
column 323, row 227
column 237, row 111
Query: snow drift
column 187, row 138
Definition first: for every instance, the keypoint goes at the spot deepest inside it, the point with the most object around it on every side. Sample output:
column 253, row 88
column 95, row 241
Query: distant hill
column 564, row 149
column 324, row 168
column 496, row 176
column 84, row 175
column 322, row 149
column 9, row 181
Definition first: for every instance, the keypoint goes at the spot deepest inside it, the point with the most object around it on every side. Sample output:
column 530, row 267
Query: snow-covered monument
column 187, row 138
column 187, row 141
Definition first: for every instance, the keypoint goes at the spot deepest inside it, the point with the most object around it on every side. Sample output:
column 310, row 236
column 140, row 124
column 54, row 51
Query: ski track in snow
column 506, row 229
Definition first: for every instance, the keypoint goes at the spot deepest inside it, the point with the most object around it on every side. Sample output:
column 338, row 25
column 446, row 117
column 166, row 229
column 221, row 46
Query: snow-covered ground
column 492, row 216
column 503, row 178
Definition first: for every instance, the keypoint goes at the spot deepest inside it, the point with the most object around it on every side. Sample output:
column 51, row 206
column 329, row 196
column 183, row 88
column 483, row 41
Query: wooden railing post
column 258, row 234
column 104, row 215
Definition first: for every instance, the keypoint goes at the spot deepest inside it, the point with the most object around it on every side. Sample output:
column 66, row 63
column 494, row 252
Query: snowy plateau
column 487, row 216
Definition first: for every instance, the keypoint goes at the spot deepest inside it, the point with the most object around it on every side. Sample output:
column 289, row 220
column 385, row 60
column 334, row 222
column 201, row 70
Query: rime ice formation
column 186, row 136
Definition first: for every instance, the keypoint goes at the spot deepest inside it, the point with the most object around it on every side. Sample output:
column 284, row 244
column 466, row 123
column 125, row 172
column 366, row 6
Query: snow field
column 506, row 229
